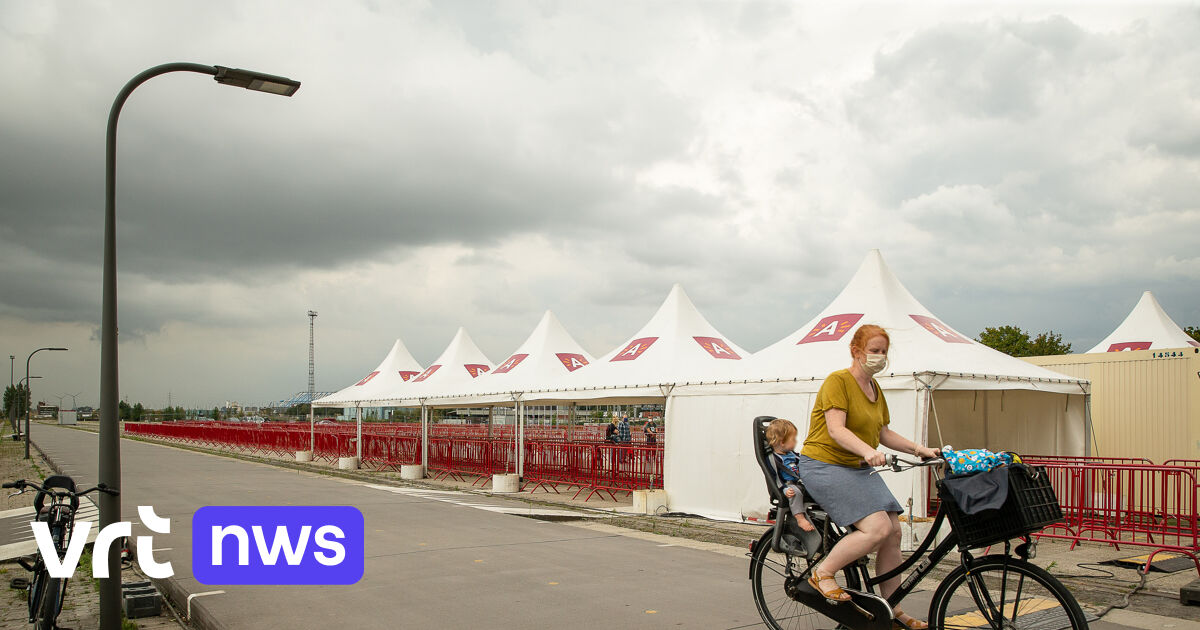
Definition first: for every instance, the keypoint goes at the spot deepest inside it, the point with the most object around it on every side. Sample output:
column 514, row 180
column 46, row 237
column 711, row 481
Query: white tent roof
column 546, row 355
column 677, row 345
column 1148, row 327
column 451, row 373
column 396, row 369
column 921, row 344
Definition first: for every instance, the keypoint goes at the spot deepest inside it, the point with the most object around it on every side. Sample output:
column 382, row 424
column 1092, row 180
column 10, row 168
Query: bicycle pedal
column 18, row 583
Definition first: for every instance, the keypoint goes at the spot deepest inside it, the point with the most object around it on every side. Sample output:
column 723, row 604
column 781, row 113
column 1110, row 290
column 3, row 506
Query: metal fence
column 455, row 451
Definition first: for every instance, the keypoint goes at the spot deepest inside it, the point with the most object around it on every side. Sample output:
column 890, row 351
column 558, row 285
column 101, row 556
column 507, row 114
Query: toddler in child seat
column 781, row 434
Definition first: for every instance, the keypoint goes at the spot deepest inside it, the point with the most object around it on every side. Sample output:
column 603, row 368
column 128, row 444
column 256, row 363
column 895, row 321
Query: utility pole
column 312, row 381
column 12, row 411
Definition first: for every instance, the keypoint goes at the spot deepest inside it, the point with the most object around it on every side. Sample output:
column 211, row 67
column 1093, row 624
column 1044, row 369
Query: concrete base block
column 412, row 471
column 347, row 463
column 1189, row 594
column 649, row 501
column 507, row 482
column 304, row 456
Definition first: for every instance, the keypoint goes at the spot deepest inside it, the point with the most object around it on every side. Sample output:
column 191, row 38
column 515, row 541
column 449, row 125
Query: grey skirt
column 847, row 494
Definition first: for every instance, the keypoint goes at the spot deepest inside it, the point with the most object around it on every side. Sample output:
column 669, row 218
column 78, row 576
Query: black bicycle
column 998, row 590
column 55, row 504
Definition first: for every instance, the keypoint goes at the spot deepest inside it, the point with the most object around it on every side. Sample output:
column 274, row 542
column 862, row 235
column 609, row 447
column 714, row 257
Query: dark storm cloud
column 223, row 184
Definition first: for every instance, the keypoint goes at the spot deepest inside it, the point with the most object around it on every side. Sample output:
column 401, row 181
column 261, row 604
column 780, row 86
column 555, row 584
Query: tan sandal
column 903, row 621
column 835, row 594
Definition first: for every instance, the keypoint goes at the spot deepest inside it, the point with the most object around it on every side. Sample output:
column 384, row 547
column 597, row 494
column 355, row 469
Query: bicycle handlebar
column 22, row 484
column 899, row 464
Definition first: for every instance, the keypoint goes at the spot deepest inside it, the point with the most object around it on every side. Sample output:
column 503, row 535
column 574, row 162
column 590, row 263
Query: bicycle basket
column 1030, row 506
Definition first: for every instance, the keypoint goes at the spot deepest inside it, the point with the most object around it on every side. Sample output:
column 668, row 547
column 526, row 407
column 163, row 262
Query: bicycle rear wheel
column 47, row 611
column 771, row 576
column 1004, row 592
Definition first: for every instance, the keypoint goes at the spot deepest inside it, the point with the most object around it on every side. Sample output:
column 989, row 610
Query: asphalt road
column 430, row 563
column 437, row 559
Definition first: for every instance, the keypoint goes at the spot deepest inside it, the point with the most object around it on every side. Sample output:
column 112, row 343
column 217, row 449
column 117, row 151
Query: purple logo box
column 256, row 544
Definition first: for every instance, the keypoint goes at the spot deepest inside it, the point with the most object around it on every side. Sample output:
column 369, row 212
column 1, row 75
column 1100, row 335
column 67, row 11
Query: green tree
column 16, row 396
column 216, row 414
column 1193, row 332
column 1048, row 343
column 136, row 413
column 1013, row 341
column 123, row 410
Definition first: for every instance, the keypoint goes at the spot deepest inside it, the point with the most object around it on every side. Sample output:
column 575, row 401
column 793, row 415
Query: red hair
column 865, row 333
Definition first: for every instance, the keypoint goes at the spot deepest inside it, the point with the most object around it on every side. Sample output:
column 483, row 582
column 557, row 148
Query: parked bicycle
column 55, row 504
column 997, row 590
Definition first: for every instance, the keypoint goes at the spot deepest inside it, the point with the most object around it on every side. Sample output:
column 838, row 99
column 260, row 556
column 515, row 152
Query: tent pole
column 520, row 439
column 491, row 419
column 571, row 424
column 358, row 440
column 424, row 438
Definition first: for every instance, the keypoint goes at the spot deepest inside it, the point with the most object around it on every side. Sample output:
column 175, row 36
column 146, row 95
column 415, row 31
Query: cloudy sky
column 467, row 163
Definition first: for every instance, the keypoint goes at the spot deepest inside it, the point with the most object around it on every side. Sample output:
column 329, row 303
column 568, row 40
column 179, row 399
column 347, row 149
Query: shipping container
column 1145, row 403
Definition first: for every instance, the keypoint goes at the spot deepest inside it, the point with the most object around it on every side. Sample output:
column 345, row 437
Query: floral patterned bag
column 976, row 460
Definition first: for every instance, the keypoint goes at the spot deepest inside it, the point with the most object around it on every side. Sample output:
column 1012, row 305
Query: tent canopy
column 1148, row 327
column 676, row 345
column 547, row 354
column 924, row 350
column 397, row 368
column 454, row 371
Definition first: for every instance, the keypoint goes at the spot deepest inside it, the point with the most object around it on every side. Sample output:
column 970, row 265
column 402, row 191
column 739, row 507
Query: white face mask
column 874, row 363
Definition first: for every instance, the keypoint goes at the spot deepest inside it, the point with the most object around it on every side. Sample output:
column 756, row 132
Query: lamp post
column 27, row 388
column 12, row 411
column 109, row 438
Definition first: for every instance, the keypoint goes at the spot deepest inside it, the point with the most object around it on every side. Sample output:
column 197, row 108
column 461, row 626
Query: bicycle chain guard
column 864, row 611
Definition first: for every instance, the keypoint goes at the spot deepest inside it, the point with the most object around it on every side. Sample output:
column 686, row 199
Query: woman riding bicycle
column 849, row 422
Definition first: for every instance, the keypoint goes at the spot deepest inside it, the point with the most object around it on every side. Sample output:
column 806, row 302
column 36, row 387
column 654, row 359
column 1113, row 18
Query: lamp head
column 257, row 81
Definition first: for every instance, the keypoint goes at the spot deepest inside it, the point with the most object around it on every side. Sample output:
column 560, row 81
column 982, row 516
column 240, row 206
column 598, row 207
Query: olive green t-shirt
column 864, row 418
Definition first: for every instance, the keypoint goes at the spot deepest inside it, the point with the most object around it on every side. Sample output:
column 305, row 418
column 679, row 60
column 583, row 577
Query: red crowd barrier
column 1082, row 459
column 1128, row 504
column 550, row 460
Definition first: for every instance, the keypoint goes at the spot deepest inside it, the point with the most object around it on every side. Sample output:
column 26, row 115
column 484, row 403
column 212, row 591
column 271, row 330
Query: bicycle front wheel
column 47, row 611
column 1005, row 593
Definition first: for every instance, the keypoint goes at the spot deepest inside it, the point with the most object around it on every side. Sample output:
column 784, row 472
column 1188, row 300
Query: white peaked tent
column 397, row 368
column 1148, row 327
column 454, row 371
column 546, row 355
column 938, row 382
column 677, row 345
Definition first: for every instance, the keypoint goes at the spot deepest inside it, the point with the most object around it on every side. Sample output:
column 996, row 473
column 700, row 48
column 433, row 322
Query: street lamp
column 27, row 388
column 110, row 438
